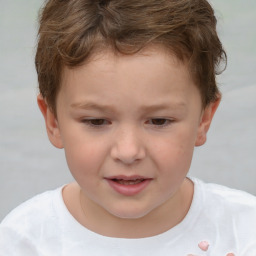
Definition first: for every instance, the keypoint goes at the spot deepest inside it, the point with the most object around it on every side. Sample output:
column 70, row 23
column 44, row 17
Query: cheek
column 177, row 159
column 175, row 152
column 84, row 156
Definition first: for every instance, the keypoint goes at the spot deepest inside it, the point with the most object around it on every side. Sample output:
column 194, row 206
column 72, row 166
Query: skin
column 149, row 118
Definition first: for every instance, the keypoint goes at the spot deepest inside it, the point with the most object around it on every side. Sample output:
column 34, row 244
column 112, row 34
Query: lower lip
column 129, row 190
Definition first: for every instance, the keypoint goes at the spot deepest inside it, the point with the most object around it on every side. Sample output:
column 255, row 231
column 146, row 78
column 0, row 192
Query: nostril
column 127, row 155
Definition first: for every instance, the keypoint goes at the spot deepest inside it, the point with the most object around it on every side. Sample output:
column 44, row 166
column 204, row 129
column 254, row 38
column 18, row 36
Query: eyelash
column 103, row 122
column 165, row 123
column 89, row 122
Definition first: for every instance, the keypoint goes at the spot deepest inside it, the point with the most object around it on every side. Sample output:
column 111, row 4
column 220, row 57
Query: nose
column 128, row 146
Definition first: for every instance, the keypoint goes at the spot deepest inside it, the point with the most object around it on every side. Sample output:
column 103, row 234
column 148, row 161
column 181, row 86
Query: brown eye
column 97, row 122
column 159, row 121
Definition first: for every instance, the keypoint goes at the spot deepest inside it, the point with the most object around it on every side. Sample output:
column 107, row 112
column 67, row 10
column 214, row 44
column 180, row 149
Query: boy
column 128, row 89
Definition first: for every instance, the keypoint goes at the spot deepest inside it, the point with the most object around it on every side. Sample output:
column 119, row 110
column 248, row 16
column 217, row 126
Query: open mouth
column 128, row 186
column 128, row 182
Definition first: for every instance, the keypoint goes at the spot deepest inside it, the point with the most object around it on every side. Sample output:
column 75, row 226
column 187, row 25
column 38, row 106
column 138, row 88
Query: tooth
column 129, row 182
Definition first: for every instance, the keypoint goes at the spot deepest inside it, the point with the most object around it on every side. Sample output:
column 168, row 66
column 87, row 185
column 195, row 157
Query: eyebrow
column 111, row 108
column 170, row 105
column 94, row 106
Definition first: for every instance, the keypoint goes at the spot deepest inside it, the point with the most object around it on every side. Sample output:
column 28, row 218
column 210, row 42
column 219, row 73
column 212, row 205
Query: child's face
column 129, row 125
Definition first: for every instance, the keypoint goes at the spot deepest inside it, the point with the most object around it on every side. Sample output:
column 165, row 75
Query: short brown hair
column 72, row 30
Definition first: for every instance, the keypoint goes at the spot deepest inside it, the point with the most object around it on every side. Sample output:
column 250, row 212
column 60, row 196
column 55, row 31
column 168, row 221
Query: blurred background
column 29, row 164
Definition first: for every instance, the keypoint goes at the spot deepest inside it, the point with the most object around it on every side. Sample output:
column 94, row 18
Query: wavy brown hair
column 73, row 30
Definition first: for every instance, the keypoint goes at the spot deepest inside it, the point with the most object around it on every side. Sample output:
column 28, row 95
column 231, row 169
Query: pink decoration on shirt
column 204, row 245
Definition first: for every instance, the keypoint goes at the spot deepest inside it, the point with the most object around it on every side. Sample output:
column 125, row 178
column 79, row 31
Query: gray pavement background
column 29, row 164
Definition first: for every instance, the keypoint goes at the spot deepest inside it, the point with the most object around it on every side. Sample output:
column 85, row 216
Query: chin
column 129, row 214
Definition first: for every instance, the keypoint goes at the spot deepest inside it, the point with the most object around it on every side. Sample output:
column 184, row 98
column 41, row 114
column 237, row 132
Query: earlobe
column 51, row 122
column 205, row 122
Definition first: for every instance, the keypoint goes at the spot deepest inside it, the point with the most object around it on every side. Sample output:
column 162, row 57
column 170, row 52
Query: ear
column 51, row 123
column 205, row 121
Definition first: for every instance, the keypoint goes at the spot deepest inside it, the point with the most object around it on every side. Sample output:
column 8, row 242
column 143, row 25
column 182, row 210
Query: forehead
column 108, row 62
column 150, row 75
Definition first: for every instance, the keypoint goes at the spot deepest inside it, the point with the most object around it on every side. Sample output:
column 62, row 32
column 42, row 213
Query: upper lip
column 124, row 177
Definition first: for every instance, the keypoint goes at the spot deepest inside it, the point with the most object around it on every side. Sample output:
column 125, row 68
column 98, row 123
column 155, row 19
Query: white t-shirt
column 223, row 217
